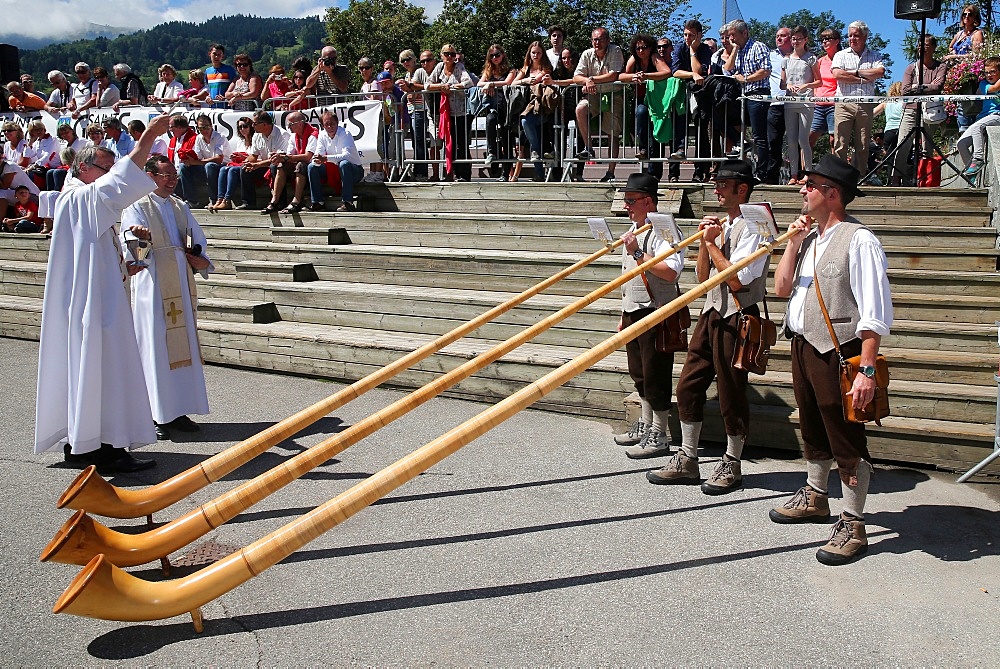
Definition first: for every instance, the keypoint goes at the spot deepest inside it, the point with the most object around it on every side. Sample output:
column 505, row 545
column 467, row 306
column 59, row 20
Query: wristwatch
column 638, row 254
column 867, row 370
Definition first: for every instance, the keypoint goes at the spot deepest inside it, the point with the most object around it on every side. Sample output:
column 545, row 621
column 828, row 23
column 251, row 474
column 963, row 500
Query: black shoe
column 184, row 424
column 125, row 462
column 79, row 460
column 608, row 177
column 162, row 433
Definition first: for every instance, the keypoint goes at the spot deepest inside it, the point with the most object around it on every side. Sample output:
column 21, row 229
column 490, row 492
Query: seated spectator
column 293, row 164
column 197, row 93
column 107, row 93
column 96, row 137
column 22, row 101
column 270, row 145
column 25, row 218
column 972, row 143
column 335, row 158
column 137, row 127
column 61, row 93
column 244, row 93
column 644, row 64
column 84, row 91
column 168, row 89
column 119, row 141
column 228, row 178
column 133, row 91
column 68, row 140
column 43, row 152
column 15, row 148
column 12, row 177
column 180, row 149
column 276, row 88
column 328, row 78
column 211, row 150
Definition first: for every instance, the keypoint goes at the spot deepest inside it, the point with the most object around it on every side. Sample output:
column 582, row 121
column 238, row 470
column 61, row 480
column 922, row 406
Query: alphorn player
column 164, row 302
column 710, row 352
column 651, row 370
column 92, row 400
column 855, row 288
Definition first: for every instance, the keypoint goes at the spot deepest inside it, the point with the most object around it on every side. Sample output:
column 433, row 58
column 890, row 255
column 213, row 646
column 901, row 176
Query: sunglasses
column 827, row 39
column 496, row 55
column 364, row 68
column 406, row 60
column 642, row 47
column 630, row 201
column 812, row 185
column 242, row 64
column 244, row 126
column 660, row 47
column 426, row 60
column 964, row 14
column 450, row 54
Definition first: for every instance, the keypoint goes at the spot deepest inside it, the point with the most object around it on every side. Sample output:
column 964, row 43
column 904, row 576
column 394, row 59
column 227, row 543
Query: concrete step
column 488, row 197
column 20, row 317
column 22, row 279
column 237, row 311
column 926, row 214
column 269, row 270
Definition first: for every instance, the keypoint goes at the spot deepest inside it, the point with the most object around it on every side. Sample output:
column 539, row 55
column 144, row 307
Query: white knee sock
column 690, row 434
column 647, row 411
column 818, row 474
column 661, row 421
column 854, row 496
column 734, row 446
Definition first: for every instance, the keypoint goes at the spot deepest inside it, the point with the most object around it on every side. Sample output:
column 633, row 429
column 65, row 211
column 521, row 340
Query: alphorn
column 93, row 494
column 81, row 537
column 103, row 590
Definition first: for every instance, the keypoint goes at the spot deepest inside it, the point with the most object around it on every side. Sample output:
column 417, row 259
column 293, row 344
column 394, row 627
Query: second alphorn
column 93, row 494
column 81, row 537
column 103, row 590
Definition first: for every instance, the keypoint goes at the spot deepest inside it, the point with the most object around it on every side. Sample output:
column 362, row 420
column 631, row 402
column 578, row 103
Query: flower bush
column 964, row 75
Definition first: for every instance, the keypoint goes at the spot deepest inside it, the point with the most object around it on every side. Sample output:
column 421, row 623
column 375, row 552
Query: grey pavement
column 537, row 544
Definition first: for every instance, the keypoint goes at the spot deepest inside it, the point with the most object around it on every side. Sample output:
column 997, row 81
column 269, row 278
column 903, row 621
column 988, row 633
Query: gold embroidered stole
column 168, row 280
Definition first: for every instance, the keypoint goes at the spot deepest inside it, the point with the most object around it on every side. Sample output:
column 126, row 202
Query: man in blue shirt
column 218, row 75
column 120, row 141
column 776, row 112
column 691, row 60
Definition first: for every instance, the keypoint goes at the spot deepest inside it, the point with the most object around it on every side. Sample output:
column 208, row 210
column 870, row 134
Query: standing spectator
column 966, row 42
column 270, row 143
column 20, row 100
column 721, row 57
column 751, row 62
column 562, row 76
column 244, row 92
column 84, row 91
column 133, row 91
column 799, row 76
column 972, row 143
column 823, row 112
column 210, row 150
column 107, row 93
column 28, row 84
column 599, row 66
column 168, row 89
column 856, row 68
column 776, row 112
column 197, row 92
column 366, row 68
column 121, row 142
column 218, row 75
column 413, row 85
column 690, row 62
column 536, row 71
column 61, row 93
column 328, row 78
column 451, row 78
column 334, row 149
column 934, row 72
column 228, row 176
column 276, row 88
column 557, row 36
column 644, row 64
column 855, row 290
column 497, row 74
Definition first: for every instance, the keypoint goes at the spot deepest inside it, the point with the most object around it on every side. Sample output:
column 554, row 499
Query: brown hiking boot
column 805, row 506
column 847, row 541
column 727, row 477
column 679, row 470
column 653, row 445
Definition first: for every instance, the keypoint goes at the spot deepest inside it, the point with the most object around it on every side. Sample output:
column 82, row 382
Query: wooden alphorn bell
column 102, row 590
column 93, row 494
column 81, row 537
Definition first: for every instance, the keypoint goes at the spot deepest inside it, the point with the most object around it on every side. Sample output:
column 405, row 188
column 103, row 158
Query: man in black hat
column 651, row 371
column 710, row 351
column 852, row 274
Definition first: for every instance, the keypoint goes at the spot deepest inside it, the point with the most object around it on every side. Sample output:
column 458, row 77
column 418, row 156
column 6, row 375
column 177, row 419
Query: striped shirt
column 754, row 56
column 849, row 61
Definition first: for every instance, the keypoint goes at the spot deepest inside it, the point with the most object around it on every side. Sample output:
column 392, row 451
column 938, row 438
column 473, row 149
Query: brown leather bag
column 754, row 340
column 878, row 408
column 672, row 332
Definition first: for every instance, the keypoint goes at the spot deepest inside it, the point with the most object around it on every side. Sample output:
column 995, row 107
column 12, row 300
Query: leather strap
column 822, row 304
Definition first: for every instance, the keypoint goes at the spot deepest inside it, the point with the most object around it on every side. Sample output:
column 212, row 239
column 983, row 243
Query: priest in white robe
column 165, row 303
column 91, row 399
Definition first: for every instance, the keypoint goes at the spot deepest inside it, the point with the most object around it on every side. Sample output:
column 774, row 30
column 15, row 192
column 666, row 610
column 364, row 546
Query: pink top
column 828, row 85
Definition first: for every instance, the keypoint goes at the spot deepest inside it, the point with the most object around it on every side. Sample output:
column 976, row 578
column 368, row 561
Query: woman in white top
column 212, row 151
column 108, row 94
column 169, row 89
column 15, row 150
column 228, row 174
column 799, row 76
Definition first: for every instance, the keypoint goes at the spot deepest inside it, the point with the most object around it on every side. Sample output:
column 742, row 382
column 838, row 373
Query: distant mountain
column 89, row 32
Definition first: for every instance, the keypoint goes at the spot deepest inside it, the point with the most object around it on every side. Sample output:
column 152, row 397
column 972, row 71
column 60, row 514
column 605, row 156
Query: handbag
column 933, row 111
column 754, row 338
column 670, row 334
column 878, row 408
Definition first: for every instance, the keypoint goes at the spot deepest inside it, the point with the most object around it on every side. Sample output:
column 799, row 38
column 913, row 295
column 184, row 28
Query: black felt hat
column 840, row 171
column 740, row 170
column 641, row 182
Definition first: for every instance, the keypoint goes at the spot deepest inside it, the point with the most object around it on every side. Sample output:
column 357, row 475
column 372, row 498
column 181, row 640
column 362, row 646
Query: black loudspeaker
column 915, row 10
column 10, row 63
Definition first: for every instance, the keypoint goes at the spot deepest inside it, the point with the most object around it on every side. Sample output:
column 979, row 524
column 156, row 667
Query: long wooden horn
column 81, row 538
column 102, row 590
column 90, row 492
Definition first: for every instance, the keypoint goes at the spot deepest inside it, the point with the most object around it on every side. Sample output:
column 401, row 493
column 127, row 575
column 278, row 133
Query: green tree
column 378, row 29
column 951, row 15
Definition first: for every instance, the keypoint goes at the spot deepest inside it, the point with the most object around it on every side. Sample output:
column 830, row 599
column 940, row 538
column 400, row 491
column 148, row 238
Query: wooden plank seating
column 338, row 295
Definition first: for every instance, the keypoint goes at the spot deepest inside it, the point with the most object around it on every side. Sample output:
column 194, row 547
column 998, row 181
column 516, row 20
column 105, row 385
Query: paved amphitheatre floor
column 539, row 543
